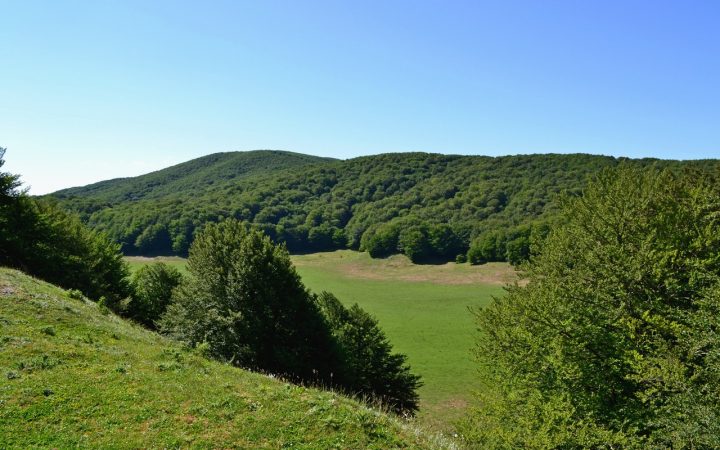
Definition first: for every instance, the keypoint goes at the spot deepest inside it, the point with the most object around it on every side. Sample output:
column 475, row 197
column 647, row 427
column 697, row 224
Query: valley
column 422, row 308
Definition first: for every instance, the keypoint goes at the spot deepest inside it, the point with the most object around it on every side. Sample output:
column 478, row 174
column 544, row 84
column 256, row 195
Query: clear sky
column 91, row 90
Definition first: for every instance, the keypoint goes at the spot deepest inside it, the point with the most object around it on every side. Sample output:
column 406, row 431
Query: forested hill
column 428, row 206
column 192, row 176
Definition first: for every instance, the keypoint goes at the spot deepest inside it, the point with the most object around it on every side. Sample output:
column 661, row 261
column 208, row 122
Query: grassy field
column 422, row 308
column 75, row 375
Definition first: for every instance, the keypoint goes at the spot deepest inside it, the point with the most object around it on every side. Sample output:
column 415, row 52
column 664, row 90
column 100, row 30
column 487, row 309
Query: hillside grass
column 75, row 375
column 422, row 308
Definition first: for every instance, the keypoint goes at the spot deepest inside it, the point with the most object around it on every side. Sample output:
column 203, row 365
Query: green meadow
column 422, row 308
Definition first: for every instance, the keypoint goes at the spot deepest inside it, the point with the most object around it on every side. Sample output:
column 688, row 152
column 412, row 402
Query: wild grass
column 74, row 375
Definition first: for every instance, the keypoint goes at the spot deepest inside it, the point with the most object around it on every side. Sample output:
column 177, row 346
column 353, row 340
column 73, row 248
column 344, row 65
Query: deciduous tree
column 613, row 342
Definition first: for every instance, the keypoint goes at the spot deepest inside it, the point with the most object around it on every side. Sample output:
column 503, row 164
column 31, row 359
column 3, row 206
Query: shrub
column 152, row 286
column 370, row 369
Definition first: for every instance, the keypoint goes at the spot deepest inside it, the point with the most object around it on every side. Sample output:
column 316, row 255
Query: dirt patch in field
column 441, row 416
column 449, row 273
column 151, row 259
column 7, row 291
column 400, row 268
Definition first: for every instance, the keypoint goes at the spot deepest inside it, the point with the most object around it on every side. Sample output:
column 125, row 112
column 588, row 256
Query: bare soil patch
column 7, row 291
column 399, row 268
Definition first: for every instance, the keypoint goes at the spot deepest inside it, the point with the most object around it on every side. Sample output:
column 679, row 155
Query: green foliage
column 245, row 300
column 370, row 369
column 380, row 241
column 613, row 341
column 314, row 204
column 487, row 247
column 9, row 183
column 245, row 303
column 154, row 239
column 413, row 243
column 514, row 245
column 152, row 287
column 44, row 240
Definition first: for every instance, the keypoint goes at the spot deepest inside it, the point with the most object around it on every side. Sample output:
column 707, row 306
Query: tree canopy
column 245, row 300
column 613, row 341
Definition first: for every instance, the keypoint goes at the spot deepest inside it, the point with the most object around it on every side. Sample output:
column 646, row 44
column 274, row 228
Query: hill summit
column 193, row 175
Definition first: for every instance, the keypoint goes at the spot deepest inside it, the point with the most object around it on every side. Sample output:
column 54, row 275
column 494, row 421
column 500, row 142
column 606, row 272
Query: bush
column 152, row 286
column 370, row 369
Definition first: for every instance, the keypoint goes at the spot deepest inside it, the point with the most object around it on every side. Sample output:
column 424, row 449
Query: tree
column 517, row 246
column 154, row 240
column 380, row 241
column 41, row 239
column 9, row 183
column 65, row 252
column 152, row 287
column 613, row 340
column 370, row 367
column 413, row 242
column 245, row 300
column 444, row 242
column 489, row 246
column 12, row 215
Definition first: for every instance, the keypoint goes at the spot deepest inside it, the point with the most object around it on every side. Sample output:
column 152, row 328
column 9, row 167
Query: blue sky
column 91, row 90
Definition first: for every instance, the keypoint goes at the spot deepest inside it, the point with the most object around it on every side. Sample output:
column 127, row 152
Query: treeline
column 428, row 206
column 44, row 240
column 242, row 303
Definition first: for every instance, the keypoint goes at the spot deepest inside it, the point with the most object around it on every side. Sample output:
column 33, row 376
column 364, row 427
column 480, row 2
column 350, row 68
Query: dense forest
column 427, row 206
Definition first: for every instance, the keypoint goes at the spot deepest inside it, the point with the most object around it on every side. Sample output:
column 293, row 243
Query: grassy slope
column 73, row 376
column 422, row 308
